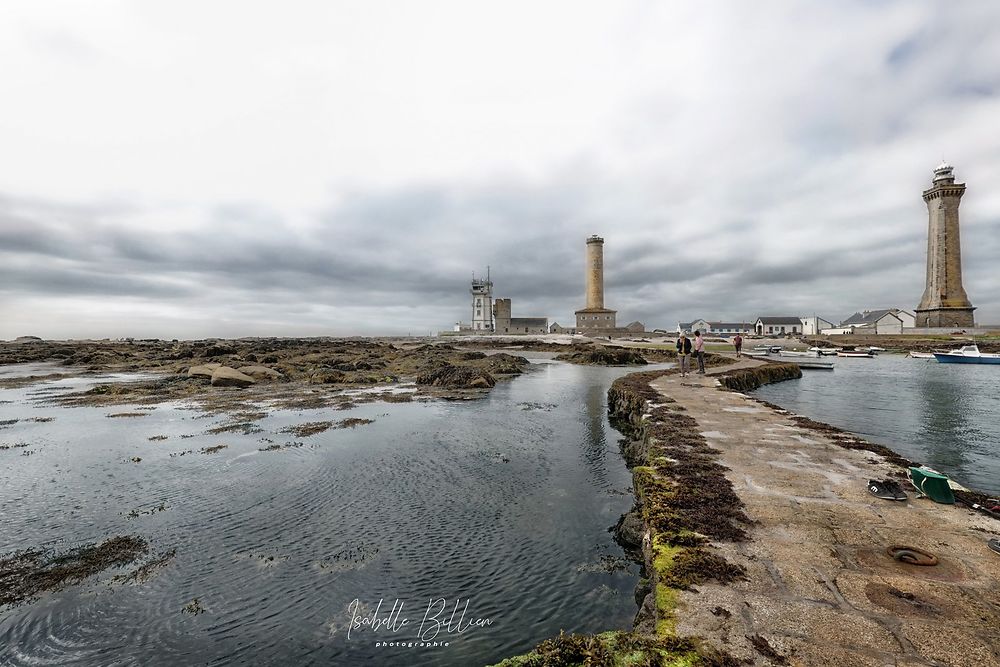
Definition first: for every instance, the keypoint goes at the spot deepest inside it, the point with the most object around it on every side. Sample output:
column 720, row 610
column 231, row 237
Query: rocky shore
column 294, row 372
column 242, row 380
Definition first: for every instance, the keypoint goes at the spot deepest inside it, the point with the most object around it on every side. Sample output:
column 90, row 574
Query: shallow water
column 946, row 416
column 501, row 503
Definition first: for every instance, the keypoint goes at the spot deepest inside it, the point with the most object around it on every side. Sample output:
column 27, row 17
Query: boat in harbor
column 824, row 351
column 803, row 359
column 798, row 353
column 862, row 354
column 967, row 354
column 812, row 363
column 920, row 355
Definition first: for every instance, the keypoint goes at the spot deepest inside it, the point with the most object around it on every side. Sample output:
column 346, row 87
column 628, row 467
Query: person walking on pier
column 699, row 351
column 738, row 344
column 683, row 350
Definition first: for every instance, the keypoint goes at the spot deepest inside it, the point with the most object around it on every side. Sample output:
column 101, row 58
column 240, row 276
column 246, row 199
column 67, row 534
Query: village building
column 778, row 326
column 494, row 316
column 814, row 325
column 505, row 324
column 881, row 322
column 714, row 328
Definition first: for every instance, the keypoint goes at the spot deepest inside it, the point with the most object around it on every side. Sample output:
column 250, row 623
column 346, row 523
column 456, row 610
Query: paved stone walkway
column 822, row 590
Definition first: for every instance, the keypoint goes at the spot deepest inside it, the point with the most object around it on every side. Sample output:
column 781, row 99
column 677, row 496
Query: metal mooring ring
column 911, row 555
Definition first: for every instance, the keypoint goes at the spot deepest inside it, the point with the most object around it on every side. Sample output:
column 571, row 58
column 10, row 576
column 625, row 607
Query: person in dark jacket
column 683, row 354
column 738, row 344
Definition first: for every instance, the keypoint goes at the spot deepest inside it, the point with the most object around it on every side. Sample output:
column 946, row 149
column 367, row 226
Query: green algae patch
column 664, row 556
column 682, row 494
column 610, row 649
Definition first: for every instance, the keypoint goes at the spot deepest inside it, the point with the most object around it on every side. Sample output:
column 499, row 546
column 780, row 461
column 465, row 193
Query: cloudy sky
column 190, row 169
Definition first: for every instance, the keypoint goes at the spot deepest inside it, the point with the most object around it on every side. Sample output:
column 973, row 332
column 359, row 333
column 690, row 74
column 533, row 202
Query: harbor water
column 498, row 508
column 946, row 416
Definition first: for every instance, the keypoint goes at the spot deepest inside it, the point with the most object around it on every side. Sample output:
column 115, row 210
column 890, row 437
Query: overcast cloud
column 183, row 169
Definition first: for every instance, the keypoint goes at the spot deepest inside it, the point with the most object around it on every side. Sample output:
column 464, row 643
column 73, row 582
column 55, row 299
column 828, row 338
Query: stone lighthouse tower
column 595, row 315
column 944, row 303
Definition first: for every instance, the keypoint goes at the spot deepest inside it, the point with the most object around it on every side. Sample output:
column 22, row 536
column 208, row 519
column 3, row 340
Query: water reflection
column 595, row 445
column 940, row 414
column 944, row 420
column 503, row 502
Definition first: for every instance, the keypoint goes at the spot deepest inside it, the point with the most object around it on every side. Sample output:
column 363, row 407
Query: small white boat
column 859, row 354
column 967, row 354
column 919, row 355
column 824, row 351
column 799, row 353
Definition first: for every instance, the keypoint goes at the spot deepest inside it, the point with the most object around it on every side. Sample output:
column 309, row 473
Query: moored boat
column 967, row 354
column 920, row 355
column 865, row 354
column 813, row 363
column 799, row 353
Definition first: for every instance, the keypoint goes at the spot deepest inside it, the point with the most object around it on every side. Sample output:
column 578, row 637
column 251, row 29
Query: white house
column 882, row 321
column 706, row 327
column 691, row 327
column 909, row 319
column 814, row 325
column 778, row 326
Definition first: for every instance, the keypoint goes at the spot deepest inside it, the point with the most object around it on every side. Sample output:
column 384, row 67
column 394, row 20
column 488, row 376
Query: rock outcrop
column 605, row 356
column 224, row 376
column 203, row 370
column 505, row 364
column 457, row 377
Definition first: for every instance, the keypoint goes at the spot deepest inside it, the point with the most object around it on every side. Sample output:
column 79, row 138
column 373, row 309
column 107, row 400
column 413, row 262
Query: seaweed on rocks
column 605, row 356
column 307, row 429
column 682, row 492
column 505, row 364
column 26, row 574
column 145, row 572
column 748, row 379
column 353, row 422
column 450, row 376
column 620, row 649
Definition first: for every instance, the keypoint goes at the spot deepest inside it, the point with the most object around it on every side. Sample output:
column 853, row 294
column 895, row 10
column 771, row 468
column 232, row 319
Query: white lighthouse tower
column 482, row 303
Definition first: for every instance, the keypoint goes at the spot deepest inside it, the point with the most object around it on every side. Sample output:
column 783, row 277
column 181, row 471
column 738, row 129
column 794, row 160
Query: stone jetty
column 819, row 585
